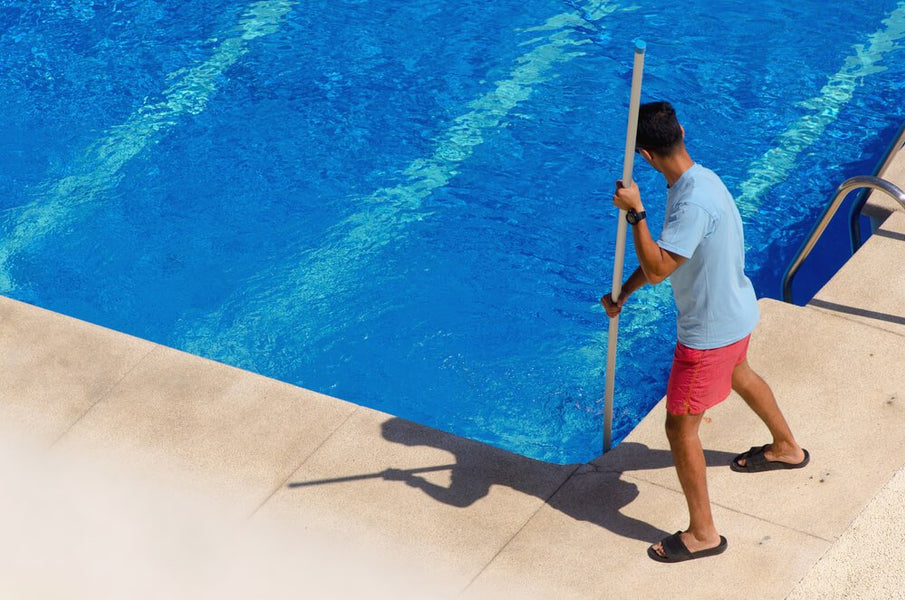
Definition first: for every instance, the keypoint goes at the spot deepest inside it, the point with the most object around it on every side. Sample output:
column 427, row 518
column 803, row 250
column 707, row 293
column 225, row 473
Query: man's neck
column 674, row 166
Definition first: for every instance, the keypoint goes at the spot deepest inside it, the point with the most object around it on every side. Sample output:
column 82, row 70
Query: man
column 701, row 249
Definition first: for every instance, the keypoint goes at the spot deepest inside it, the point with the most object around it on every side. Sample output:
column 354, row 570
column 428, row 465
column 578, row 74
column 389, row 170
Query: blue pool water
column 406, row 204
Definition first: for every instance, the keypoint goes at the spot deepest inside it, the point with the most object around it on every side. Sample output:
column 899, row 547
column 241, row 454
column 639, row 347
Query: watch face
column 634, row 217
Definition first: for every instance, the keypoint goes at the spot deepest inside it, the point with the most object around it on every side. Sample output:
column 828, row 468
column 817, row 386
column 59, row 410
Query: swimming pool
column 406, row 204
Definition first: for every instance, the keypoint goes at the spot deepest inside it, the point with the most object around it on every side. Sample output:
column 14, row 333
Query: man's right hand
column 613, row 308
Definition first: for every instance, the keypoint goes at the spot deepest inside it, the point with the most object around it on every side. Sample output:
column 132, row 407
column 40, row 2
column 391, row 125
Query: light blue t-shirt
column 716, row 301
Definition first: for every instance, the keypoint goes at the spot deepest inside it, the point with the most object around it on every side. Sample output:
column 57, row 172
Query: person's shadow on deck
column 594, row 492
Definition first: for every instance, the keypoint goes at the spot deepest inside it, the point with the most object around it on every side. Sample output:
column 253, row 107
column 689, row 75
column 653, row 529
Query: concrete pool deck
column 135, row 470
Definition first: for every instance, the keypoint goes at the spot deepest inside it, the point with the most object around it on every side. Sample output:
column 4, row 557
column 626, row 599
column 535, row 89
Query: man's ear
column 645, row 154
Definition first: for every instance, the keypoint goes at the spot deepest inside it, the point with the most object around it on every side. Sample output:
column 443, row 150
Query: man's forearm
column 655, row 263
column 636, row 281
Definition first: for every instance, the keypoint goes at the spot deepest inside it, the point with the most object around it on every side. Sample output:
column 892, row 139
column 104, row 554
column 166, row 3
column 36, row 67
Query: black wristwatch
column 634, row 218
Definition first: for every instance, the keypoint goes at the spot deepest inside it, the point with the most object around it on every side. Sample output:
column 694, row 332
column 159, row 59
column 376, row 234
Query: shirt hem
column 714, row 345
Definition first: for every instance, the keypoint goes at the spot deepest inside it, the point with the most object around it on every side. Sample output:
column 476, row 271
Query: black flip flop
column 677, row 551
column 756, row 461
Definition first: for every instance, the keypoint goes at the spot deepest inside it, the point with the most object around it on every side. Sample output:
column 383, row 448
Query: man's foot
column 682, row 546
column 764, row 458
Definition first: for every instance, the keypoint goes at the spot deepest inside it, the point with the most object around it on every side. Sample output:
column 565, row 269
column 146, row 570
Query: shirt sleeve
column 684, row 229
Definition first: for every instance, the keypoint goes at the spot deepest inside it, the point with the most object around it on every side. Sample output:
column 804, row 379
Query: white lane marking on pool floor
column 775, row 165
column 290, row 294
column 327, row 270
column 100, row 170
column 295, row 302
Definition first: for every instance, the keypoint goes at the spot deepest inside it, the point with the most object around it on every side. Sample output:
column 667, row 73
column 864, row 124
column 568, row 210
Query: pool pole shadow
column 595, row 492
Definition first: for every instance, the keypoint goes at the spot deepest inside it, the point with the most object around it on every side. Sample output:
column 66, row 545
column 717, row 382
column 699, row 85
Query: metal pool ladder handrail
column 849, row 185
column 854, row 218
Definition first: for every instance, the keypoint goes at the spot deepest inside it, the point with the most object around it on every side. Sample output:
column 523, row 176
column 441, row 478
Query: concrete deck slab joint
column 301, row 464
column 104, row 395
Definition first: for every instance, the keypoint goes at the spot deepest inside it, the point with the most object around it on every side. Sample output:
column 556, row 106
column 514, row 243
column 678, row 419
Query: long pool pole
column 627, row 165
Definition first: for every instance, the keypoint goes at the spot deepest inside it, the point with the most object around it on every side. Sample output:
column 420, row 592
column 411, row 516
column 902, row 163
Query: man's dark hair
column 658, row 128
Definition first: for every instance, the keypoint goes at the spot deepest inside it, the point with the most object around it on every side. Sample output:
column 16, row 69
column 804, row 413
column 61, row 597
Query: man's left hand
column 613, row 308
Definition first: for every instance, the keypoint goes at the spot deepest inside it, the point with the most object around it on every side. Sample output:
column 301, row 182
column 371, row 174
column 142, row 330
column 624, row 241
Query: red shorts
column 701, row 379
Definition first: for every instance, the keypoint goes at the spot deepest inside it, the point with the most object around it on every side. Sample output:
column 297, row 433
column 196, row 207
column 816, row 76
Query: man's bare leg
column 759, row 397
column 688, row 454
